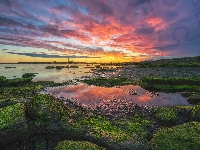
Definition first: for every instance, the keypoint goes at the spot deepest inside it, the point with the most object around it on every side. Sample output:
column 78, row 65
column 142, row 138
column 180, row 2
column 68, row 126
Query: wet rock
column 184, row 136
column 72, row 145
column 12, row 122
column 194, row 99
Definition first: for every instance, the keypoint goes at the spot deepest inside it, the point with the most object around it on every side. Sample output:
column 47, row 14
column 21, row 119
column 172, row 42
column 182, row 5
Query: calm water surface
column 44, row 74
column 89, row 95
column 94, row 95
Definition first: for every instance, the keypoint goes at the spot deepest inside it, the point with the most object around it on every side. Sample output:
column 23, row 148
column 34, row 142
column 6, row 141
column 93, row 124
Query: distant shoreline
column 114, row 63
column 159, row 61
column 48, row 63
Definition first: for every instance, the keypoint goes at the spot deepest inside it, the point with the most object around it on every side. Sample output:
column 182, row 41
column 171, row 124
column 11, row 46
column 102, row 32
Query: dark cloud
column 145, row 31
column 9, row 22
column 49, row 56
column 135, row 3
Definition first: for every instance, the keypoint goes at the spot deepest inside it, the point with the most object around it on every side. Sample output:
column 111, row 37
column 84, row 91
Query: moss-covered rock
column 194, row 99
column 170, row 84
column 196, row 112
column 112, row 135
column 49, row 67
column 77, row 145
column 12, row 121
column 41, row 146
column 47, row 112
column 187, row 107
column 185, row 136
column 51, row 115
column 109, row 82
column 134, row 124
column 73, row 66
column 169, row 64
column 7, row 102
column 166, row 114
column 47, row 108
column 2, row 78
column 29, row 75
column 59, row 67
column 14, row 82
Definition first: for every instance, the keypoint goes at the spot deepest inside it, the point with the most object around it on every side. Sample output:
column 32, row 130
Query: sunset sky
column 98, row 30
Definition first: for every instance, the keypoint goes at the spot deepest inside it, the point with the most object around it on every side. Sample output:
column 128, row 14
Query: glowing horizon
column 97, row 30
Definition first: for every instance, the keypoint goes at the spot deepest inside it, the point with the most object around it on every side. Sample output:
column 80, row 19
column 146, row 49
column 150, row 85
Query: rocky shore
column 134, row 73
column 51, row 123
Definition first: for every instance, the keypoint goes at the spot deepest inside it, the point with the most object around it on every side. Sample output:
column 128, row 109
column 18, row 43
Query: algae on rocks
column 194, row 99
column 12, row 122
column 77, row 145
column 166, row 114
column 185, row 136
column 51, row 115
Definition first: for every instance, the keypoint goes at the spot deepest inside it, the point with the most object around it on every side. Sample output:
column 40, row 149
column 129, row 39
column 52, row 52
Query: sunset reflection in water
column 93, row 95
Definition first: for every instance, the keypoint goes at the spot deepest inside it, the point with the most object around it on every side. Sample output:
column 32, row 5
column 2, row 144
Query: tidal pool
column 95, row 95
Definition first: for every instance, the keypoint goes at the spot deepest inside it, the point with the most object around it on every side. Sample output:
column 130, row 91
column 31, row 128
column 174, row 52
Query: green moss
column 23, row 87
column 102, row 127
column 2, row 78
column 12, row 121
column 171, row 88
column 41, row 146
column 73, row 66
column 196, row 112
column 109, row 82
column 192, row 81
column 47, row 108
column 185, row 136
column 134, row 124
column 147, row 65
column 166, row 114
column 49, row 67
column 186, row 94
column 59, row 67
column 194, row 99
column 47, row 112
column 114, row 134
column 6, row 102
column 171, row 84
column 29, row 75
column 15, row 82
column 143, row 65
column 20, row 92
column 77, row 145
column 184, row 107
column 11, row 115
column 53, row 116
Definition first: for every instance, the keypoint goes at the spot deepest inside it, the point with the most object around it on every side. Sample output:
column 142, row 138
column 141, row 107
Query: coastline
column 104, row 126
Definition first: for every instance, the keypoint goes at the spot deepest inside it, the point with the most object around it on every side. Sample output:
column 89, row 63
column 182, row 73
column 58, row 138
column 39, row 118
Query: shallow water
column 90, row 95
column 94, row 95
column 44, row 74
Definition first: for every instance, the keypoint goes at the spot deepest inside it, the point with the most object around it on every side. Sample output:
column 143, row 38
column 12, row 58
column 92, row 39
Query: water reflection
column 94, row 95
column 55, row 75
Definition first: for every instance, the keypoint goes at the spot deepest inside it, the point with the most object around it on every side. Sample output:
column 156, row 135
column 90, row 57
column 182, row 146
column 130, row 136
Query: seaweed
column 166, row 114
column 109, row 82
column 185, row 136
column 78, row 145
column 12, row 122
